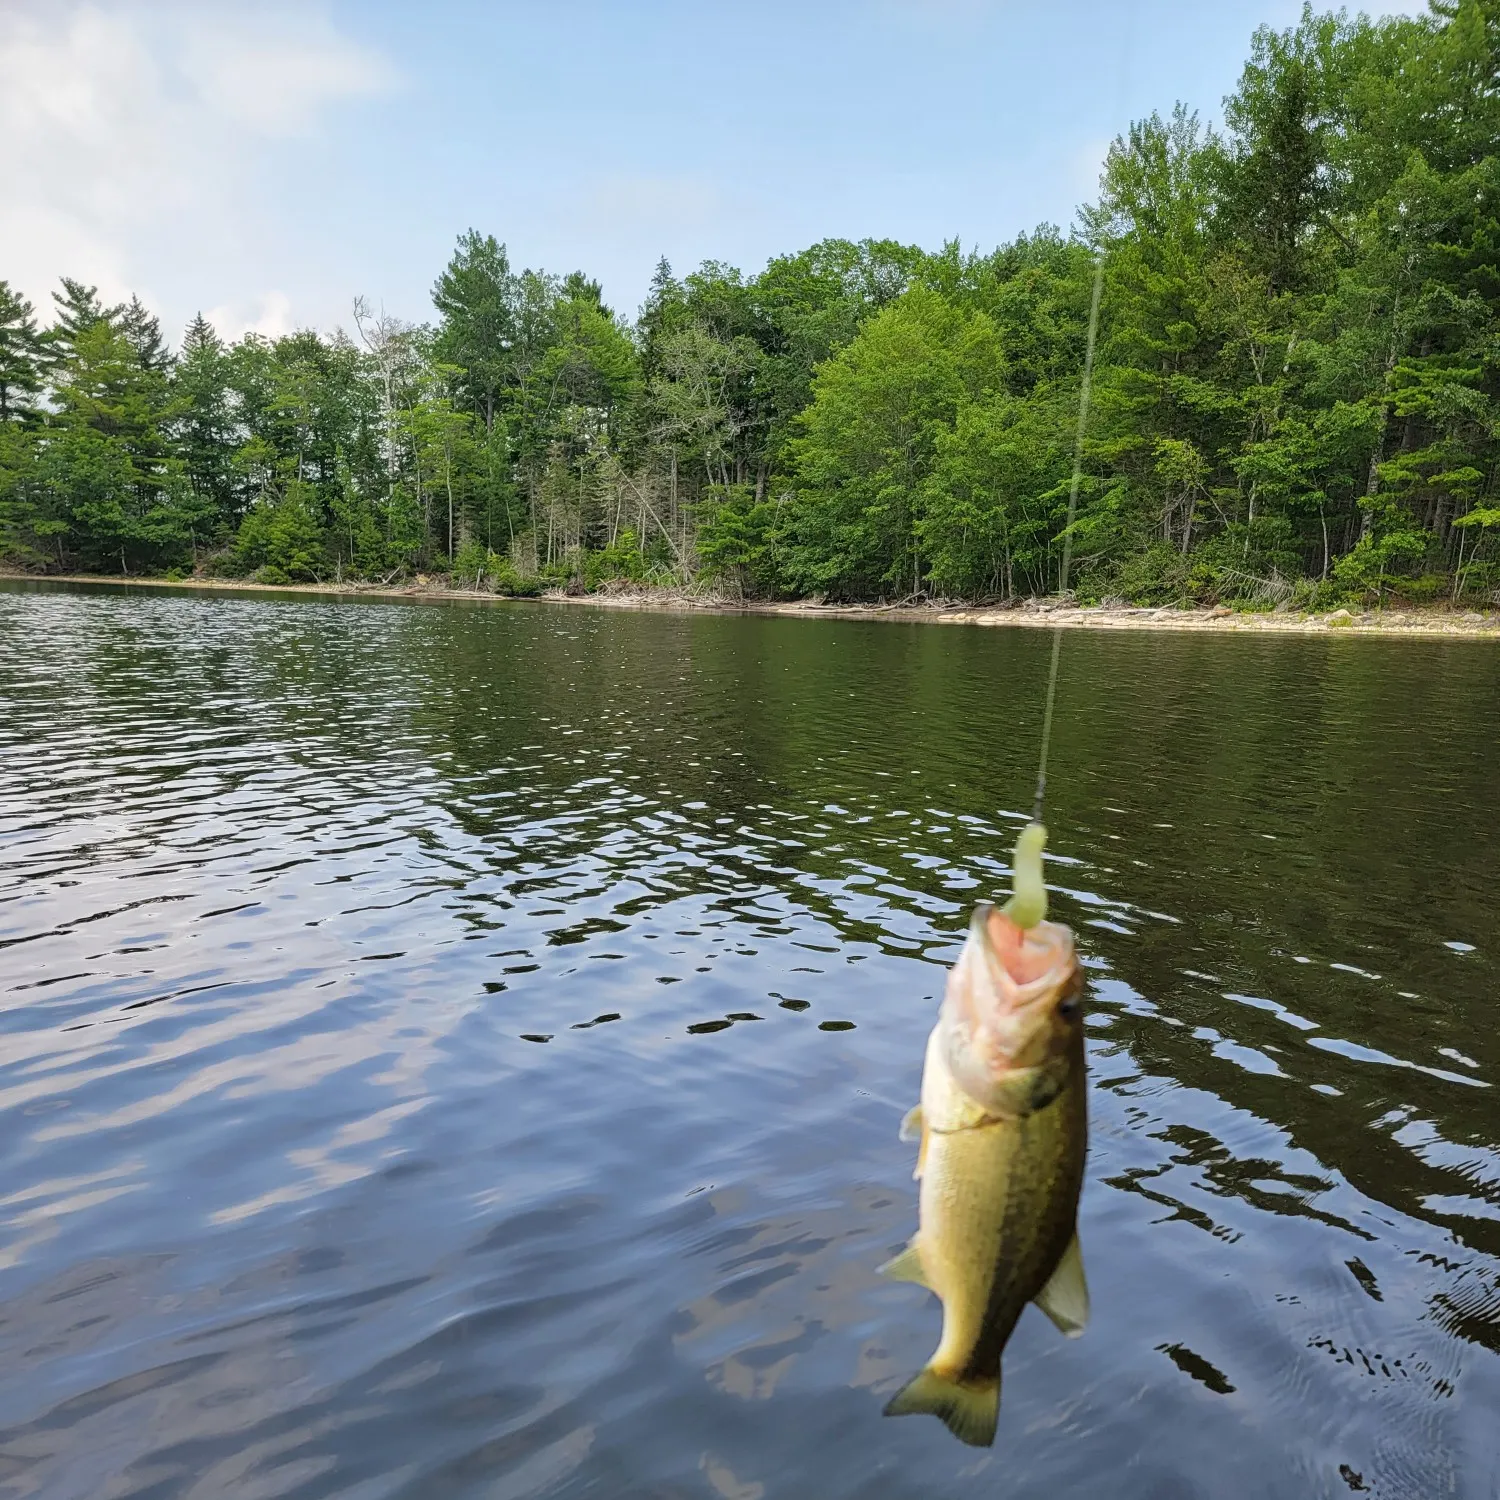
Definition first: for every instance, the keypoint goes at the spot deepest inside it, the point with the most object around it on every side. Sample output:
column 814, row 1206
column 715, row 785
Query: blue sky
column 266, row 163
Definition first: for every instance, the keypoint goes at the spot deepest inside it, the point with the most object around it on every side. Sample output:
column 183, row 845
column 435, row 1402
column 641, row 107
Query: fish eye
column 1068, row 1008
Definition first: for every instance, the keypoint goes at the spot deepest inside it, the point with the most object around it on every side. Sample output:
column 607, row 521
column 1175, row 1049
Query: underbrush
column 1162, row 575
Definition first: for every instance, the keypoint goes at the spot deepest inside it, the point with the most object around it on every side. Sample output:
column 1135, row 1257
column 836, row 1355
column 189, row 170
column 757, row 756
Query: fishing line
column 1084, row 396
column 1085, row 393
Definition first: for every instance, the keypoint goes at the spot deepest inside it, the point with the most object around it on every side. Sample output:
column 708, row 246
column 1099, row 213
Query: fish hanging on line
column 1003, row 1126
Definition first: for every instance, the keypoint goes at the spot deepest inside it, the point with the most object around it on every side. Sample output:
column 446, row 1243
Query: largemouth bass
column 1003, row 1128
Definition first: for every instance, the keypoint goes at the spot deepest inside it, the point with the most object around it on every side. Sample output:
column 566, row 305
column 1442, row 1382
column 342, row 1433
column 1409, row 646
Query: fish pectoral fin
column 914, row 1128
column 970, row 1411
column 1065, row 1298
column 907, row 1267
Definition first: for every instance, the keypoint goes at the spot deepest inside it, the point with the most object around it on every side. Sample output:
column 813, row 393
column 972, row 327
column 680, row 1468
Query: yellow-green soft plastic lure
column 1028, row 905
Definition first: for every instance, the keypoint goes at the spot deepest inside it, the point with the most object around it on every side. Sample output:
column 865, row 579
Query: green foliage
column 509, row 579
column 869, row 439
column 476, row 296
column 471, row 563
column 1366, row 570
column 21, row 355
column 280, row 541
column 993, row 495
column 26, row 537
column 736, row 536
column 620, row 560
column 1160, row 574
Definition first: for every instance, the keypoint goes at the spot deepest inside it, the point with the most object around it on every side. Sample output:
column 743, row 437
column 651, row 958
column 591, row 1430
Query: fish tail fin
column 970, row 1410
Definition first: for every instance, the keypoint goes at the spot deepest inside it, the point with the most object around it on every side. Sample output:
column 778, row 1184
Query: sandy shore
column 1033, row 614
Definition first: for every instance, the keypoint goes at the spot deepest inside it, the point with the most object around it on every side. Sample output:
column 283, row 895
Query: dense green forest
column 1297, row 395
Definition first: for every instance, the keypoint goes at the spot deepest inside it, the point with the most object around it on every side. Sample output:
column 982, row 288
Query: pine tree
column 78, row 310
column 108, row 461
column 1277, row 188
column 661, row 313
column 477, row 297
column 205, row 429
column 577, row 287
column 20, row 354
column 142, row 330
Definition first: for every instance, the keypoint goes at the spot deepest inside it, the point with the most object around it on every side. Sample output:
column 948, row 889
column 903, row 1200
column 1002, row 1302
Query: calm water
column 458, row 1051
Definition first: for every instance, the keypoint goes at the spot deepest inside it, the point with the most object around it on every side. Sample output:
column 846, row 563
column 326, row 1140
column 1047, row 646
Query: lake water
column 458, row 1051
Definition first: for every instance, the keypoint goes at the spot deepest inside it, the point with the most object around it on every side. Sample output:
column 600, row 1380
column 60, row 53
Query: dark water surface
column 459, row 1052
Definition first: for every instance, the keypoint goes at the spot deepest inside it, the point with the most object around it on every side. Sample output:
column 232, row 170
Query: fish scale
column 998, row 1204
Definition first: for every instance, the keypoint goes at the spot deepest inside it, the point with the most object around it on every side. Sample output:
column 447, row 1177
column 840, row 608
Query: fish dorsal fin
column 906, row 1267
column 1065, row 1298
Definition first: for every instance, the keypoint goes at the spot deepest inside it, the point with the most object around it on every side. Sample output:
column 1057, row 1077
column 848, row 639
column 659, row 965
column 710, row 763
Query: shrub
column 1159, row 575
column 1421, row 590
column 282, row 538
column 1366, row 570
column 472, row 564
column 506, row 578
column 621, row 559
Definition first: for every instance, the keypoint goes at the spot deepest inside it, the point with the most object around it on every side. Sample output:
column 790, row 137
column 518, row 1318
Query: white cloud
column 276, row 73
column 272, row 318
column 126, row 124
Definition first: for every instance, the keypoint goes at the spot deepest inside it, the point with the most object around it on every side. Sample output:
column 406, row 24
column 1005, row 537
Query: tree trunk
column 1372, row 484
column 1372, row 481
column 448, row 476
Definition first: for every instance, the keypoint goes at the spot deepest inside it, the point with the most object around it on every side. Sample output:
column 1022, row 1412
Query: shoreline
column 1029, row 614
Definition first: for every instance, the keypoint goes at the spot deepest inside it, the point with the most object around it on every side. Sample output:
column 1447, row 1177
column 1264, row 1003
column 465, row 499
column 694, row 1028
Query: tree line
column 1295, row 399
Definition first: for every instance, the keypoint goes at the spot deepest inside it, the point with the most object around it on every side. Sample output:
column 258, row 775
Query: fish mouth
column 1004, row 1001
column 1027, row 963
